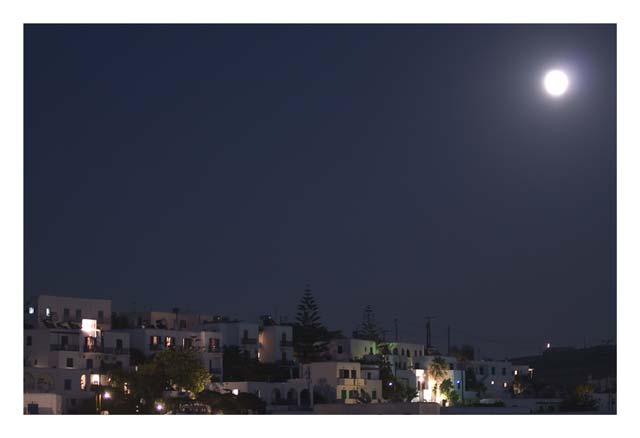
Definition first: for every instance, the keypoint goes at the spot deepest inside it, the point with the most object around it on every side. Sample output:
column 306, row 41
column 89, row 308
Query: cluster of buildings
column 70, row 342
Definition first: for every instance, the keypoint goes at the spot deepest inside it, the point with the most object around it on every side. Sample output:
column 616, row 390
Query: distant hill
column 571, row 366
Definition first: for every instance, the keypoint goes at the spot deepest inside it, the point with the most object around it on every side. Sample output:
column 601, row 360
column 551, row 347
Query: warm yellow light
column 107, row 395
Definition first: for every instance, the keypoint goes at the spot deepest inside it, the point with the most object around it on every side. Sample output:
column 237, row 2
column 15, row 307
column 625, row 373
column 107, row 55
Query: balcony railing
column 93, row 349
column 249, row 341
column 116, row 350
column 286, row 343
column 351, row 382
column 64, row 347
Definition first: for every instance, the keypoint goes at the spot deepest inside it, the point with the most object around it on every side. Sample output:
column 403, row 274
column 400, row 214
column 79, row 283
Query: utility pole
column 395, row 324
column 448, row 340
column 428, row 331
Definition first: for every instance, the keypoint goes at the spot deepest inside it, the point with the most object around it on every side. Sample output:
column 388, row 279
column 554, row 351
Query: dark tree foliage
column 580, row 400
column 369, row 328
column 243, row 403
column 236, row 367
column 463, row 353
column 308, row 314
column 310, row 337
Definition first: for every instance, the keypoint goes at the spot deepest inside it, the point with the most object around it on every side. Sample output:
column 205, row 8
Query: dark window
column 370, row 350
column 504, row 371
column 284, row 356
column 89, row 364
column 64, row 340
column 69, row 362
column 28, row 340
column 100, row 316
column 217, row 344
column 245, row 334
column 78, row 314
column 353, row 374
column 67, row 384
column 408, row 353
column 417, row 366
column 118, row 344
column 369, row 376
column 339, row 349
column 450, row 366
column 481, row 370
column 183, row 323
column 343, row 394
column 374, row 394
column 493, row 370
column 402, row 351
column 65, row 314
column 395, row 351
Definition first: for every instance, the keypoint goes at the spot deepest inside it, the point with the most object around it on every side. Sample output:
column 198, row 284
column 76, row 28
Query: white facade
column 347, row 349
column 207, row 343
column 42, row 403
column 342, row 381
column 276, row 343
column 279, row 396
column 45, row 310
column 497, row 376
column 85, row 349
column 243, row 335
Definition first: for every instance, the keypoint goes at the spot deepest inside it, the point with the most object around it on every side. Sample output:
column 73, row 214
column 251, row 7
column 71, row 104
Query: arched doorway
column 292, row 397
column 305, row 398
column 275, row 396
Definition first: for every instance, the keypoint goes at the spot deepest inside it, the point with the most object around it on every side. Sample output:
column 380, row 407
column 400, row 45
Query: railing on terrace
column 93, row 349
column 64, row 347
column 116, row 350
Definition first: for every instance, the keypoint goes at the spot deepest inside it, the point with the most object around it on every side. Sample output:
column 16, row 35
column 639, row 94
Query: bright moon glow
column 556, row 82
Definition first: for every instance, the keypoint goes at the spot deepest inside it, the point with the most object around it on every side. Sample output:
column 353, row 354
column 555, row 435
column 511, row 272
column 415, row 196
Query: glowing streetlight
column 106, row 395
column 556, row 82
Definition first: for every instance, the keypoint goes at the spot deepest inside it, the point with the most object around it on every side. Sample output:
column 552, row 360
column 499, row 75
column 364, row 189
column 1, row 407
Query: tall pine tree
column 310, row 337
column 369, row 329
column 308, row 315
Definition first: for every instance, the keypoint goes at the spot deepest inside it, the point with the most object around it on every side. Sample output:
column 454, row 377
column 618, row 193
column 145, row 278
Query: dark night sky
column 419, row 169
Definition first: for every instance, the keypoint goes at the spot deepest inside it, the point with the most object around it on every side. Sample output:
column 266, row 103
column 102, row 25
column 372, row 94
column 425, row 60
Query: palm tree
column 437, row 371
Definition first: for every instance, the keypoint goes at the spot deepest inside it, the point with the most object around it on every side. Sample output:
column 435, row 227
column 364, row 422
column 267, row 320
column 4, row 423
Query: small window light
column 504, row 385
column 47, row 311
column 235, row 392
column 31, row 310
column 515, row 372
column 493, row 382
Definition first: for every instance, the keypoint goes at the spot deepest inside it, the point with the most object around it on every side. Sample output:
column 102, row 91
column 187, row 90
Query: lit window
column 47, row 312
column 493, row 382
column 32, row 310
column 515, row 372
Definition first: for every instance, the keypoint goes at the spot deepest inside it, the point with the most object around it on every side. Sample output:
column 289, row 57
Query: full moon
column 556, row 82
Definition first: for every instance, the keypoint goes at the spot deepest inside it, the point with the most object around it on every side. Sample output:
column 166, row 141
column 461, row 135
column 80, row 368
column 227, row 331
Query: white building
column 45, row 311
column 497, row 376
column 241, row 334
column 276, row 343
column 207, row 343
column 35, row 403
column 342, row 381
column 292, row 395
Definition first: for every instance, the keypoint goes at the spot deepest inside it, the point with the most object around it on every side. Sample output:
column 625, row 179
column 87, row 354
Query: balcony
column 64, row 347
column 116, row 350
column 286, row 343
column 249, row 341
column 351, row 382
column 93, row 349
